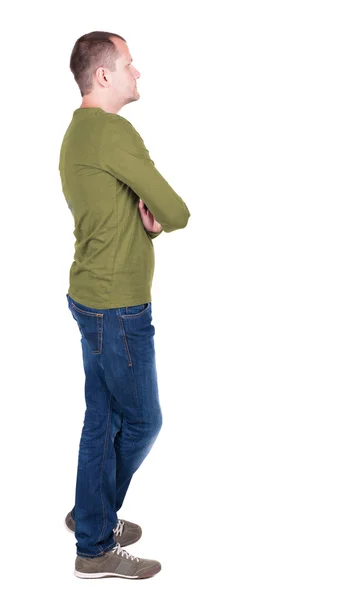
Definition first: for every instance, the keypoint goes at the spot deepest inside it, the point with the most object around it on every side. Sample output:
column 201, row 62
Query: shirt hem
column 114, row 303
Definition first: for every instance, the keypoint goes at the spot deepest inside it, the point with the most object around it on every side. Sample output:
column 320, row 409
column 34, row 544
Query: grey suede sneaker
column 125, row 533
column 116, row 563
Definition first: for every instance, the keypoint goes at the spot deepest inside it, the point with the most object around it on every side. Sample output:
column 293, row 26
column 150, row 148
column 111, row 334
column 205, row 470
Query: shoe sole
column 99, row 575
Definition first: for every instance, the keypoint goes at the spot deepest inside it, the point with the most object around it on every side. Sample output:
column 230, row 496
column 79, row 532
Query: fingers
column 142, row 205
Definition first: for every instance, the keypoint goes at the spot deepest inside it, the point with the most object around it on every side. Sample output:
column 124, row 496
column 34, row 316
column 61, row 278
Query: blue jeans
column 122, row 418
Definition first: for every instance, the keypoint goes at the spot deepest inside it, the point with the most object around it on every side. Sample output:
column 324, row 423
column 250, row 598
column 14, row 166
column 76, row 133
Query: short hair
column 91, row 51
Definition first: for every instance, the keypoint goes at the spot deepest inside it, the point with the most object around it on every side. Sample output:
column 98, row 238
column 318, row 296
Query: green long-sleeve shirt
column 105, row 169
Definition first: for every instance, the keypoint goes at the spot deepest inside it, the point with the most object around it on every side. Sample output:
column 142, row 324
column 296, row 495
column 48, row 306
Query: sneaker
column 116, row 563
column 125, row 533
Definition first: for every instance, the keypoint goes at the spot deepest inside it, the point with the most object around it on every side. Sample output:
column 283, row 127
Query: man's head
column 101, row 64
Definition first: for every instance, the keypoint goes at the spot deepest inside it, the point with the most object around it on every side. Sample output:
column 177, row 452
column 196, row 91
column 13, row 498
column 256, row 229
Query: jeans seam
column 125, row 340
column 100, row 334
column 86, row 312
column 103, row 465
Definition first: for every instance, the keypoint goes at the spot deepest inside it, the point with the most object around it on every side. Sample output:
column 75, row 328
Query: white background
column 246, row 109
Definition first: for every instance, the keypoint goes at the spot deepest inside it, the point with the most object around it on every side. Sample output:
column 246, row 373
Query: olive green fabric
column 105, row 168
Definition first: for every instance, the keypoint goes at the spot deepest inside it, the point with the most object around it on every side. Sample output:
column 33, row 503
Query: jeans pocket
column 137, row 310
column 90, row 324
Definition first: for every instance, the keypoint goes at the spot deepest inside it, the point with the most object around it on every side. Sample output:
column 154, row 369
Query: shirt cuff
column 152, row 234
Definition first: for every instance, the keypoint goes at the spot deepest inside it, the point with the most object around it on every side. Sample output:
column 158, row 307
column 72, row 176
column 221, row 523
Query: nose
column 137, row 73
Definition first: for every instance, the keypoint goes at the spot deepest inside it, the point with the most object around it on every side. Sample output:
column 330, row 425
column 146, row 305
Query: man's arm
column 124, row 155
column 153, row 235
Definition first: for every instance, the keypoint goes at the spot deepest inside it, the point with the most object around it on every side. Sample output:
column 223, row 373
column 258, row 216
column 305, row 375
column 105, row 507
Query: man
column 119, row 202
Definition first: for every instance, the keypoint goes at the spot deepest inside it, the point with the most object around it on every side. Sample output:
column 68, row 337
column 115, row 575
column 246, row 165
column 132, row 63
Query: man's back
column 105, row 168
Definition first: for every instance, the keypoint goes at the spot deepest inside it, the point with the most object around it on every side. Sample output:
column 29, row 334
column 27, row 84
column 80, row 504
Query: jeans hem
column 110, row 547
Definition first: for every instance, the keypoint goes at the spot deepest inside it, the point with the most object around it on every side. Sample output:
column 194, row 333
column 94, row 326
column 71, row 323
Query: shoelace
column 119, row 528
column 119, row 550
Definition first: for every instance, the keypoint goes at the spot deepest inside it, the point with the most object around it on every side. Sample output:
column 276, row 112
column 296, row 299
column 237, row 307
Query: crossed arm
column 125, row 156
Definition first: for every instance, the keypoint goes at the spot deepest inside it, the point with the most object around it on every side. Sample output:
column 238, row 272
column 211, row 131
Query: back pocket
column 90, row 324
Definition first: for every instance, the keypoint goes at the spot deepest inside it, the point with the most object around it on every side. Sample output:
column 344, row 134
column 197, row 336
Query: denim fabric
column 122, row 418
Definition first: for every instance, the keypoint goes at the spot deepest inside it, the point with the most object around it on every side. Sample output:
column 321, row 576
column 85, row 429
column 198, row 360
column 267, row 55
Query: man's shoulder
column 117, row 121
column 117, row 126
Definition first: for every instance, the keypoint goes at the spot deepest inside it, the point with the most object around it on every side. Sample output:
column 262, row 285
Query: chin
column 132, row 99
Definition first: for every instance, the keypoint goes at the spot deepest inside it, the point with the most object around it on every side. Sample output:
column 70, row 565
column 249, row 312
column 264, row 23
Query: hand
column 148, row 220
